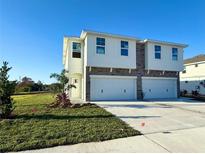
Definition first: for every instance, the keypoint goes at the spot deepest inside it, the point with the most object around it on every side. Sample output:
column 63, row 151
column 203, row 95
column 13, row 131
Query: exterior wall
column 112, row 57
column 124, row 72
column 75, row 68
column 74, row 65
column 139, row 63
column 166, row 62
column 194, row 78
column 84, row 70
column 193, row 73
column 193, row 85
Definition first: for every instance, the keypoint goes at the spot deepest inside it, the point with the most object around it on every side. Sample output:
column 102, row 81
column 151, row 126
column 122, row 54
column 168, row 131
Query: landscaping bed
column 198, row 98
column 36, row 126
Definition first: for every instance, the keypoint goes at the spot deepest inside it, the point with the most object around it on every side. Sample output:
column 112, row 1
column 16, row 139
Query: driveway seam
column 179, row 129
column 178, row 107
column 155, row 142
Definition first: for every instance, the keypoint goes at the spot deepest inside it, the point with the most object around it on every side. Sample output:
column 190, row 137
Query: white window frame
column 175, row 54
column 76, row 50
column 103, row 46
column 126, row 48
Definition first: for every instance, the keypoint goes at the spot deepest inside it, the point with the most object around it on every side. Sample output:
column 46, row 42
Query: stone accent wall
column 140, row 63
column 87, row 93
column 178, row 85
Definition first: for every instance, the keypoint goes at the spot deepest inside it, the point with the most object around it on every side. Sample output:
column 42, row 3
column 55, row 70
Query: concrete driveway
column 168, row 126
column 176, row 126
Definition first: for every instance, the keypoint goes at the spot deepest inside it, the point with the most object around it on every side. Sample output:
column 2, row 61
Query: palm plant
column 62, row 99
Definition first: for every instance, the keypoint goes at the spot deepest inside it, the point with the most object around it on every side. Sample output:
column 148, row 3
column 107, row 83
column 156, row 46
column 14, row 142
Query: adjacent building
column 192, row 78
column 106, row 66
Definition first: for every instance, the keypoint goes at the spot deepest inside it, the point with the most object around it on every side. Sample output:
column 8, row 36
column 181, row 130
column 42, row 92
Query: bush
column 195, row 93
column 183, row 92
column 61, row 100
column 7, row 88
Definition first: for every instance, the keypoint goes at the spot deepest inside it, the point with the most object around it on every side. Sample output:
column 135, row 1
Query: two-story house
column 106, row 66
column 192, row 78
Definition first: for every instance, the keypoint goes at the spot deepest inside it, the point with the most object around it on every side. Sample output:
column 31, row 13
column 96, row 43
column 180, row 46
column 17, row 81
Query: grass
column 36, row 126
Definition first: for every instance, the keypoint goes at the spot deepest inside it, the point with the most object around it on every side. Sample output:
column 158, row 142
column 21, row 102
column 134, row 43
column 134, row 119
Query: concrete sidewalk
column 188, row 140
column 130, row 144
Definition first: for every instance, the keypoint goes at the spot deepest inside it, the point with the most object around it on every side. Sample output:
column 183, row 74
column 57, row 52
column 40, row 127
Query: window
column 76, row 50
column 196, row 65
column 186, row 81
column 100, row 45
column 157, row 51
column 174, row 54
column 184, row 71
column 124, row 48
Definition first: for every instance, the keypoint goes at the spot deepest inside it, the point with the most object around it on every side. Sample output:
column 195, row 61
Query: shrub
column 7, row 88
column 195, row 93
column 183, row 92
column 61, row 100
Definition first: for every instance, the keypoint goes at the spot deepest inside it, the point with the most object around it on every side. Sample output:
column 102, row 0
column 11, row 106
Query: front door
column 75, row 92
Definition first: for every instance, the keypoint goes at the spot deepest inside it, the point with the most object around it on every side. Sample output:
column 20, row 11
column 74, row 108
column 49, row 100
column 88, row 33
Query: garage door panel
column 112, row 89
column 159, row 88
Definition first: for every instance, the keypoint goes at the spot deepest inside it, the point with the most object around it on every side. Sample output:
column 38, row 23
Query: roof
column 166, row 43
column 195, row 59
column 85, row 32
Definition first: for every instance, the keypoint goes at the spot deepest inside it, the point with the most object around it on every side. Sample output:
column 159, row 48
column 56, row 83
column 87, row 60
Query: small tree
column 62, row 99
column 7, row 88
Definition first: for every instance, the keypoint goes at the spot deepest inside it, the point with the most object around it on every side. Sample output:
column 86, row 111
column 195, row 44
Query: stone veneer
column 139, row 72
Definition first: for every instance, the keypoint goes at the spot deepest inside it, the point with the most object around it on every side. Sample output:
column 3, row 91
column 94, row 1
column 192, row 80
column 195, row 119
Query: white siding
column 194, row 73
column 193, row 77
column 166, row 62
column 74, row 65
column 112, row 56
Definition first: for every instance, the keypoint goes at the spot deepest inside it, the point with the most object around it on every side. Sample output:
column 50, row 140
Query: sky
column 31, row 31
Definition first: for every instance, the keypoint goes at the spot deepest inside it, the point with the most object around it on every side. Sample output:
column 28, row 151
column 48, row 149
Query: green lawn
column 37, row 126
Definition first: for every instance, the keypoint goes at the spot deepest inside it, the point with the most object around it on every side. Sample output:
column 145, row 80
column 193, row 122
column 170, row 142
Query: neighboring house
column 192, row 78
column 114, row 67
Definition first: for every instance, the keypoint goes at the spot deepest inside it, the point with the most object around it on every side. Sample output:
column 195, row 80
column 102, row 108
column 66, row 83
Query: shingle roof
column 195, row 59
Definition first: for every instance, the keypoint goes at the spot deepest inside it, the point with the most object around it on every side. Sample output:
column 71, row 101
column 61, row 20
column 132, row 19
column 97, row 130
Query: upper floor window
column 100, row 45
column 124, row 48
column 157, row 51
column 174, row 54
column 76, row 50
column 184, row 71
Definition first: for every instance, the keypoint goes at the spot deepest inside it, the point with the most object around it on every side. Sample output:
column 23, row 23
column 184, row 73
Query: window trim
column 76, row 51
column 124, row 48
column 175, row 54
column 99, row 45
column 159, row 52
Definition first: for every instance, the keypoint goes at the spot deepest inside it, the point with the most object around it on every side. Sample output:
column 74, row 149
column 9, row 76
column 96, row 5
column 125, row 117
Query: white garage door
column 159, row 88
column 109, row 88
